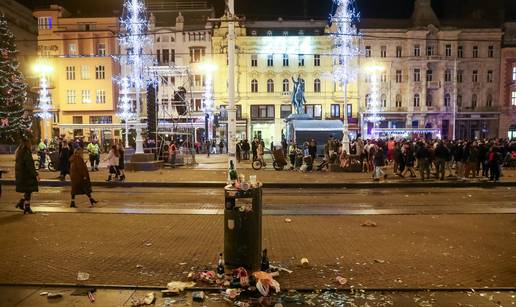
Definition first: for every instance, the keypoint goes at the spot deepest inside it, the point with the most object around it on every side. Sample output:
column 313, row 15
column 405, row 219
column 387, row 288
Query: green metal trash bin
column 243, row 228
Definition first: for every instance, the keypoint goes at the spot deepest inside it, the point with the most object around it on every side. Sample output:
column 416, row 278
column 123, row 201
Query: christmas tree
column 14, row 119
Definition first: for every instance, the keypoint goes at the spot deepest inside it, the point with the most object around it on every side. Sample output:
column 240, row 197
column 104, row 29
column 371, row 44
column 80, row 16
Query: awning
column 317, row 125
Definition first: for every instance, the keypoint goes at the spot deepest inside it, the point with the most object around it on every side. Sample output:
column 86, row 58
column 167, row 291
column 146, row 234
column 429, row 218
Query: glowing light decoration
column 45, row 103
column 374, row 105
column 209, row 106
column 292, row 45
column 135, row 63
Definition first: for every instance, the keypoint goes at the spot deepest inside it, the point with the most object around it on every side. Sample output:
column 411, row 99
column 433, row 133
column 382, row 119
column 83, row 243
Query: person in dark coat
column 80, row 178
column 64, row 159
column 121, row 161
column 26, row 176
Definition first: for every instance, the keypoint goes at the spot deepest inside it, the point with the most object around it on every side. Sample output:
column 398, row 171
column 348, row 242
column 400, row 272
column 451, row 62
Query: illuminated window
column 45, row 23
column 70, row 95
column 317, row 60
column 270, row 86
column 317, row 86
column 86, row 96
column 514, row 73
column 335, row 110
column 254, row 86
column 72, row 49
column 100, row 72
column 513, row 98
column 101, row 96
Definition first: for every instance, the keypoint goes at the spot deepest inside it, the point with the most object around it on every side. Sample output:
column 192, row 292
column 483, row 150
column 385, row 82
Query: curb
column 283, row 185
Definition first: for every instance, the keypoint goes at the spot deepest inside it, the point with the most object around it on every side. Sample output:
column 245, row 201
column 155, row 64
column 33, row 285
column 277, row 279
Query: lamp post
column 45, row 103
column 231, row 82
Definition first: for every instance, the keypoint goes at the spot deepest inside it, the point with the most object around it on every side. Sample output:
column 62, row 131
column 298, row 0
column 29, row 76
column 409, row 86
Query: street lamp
column 45, row 103
column 208, row 69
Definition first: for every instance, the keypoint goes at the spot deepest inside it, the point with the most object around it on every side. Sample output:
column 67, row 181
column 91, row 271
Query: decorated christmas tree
column 14, row 119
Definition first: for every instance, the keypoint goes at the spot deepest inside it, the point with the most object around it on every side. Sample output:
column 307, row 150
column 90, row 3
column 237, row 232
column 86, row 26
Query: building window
column 350, row 110
column 416, row 100
column 86, row 96
column 101, row 49
column 383, row 77
column 489, row 100
column 72, row 49
column 262, row 112
column 254, row 86
column 285, row 60
column 399, row 76
column 475, row 51
column 335, row 111
column 172, row 55
column 301, row 60
column 489, row 76
column 429, row 75
column 368, row 100
column 417, row 50
column 430, row 50
column 44, row 23
column 398, row 101
column 317, row 60
column 429, row 99
column 383, row 100
column 460, row 73
column 383, row 51
column 254, row 60
column 490, row 51
column 165, row 56
column 285, row 110
column 368, row 51
column 270, row 60
column 417, row 75
column 270, row 86
column 77, row 120
column 447, row 75
column 317, row 86
column 474, row 101
column 286, row 86
column 198, row 80
column 447, row 100
column 101, row 96
column 448, row 50
column 100, row 72
column 474, row 76
column 514, row 73
column 197, row 55
column 70, row 96
column 101, row 119
column 460, row 51
column 85, row 72
column 459, row 100
column 513, row 98
column 399, row 51
column 70, row 72
column 314, row 110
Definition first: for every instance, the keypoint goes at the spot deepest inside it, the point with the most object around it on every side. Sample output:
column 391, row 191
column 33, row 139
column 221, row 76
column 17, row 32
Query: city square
column 230, row 153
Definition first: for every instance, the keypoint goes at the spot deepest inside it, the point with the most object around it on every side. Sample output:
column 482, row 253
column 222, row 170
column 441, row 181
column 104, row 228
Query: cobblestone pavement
column 470, row 251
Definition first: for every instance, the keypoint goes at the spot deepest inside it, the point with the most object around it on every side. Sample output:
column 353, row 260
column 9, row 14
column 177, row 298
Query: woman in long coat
column 26, row 176
column 64, row 159
column 81, row 184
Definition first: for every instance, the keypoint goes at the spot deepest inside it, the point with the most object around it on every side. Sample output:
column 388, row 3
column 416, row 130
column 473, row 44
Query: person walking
column 442, row 154
column 26, row 176
column 423, row 161
column 94, row 155
column 221, row 146
column 493, row 161
column 172, row 153
column 80, row 178
column 112, row 161
column 239, row 151
column 245, row 149
column 254, row 147
column 64, row 159
column 379, row 163
column 121, row 160
column 312, row 148
column 260, row 151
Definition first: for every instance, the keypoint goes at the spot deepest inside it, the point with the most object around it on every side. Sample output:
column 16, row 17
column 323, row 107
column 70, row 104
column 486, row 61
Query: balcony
column 433, row 85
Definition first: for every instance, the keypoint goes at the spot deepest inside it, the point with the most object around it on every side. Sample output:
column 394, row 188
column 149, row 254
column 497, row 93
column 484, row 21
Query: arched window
column 398, row 101
column 474, row 101
column 286, row 85
column 416, row 100
column 429, row 99
column 254, row 86
column 317, row 86
column 270, row 86
column 489, row 100
column 447, row 100
column 383, row 100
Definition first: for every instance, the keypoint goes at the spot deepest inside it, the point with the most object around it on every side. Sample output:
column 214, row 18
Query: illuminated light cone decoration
column 345, row 49
column 14, row 119
column 135, row 64
column 374, row 105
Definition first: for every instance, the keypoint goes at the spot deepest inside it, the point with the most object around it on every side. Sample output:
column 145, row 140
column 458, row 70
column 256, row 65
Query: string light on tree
column 345, row 49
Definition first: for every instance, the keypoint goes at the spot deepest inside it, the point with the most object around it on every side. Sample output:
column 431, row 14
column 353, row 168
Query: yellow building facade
column 269, row 55
column 79, row 50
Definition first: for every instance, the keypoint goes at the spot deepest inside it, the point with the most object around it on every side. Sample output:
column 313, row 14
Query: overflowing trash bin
column 243, row 227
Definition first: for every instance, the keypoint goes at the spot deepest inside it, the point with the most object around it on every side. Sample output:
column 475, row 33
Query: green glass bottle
column 233, row 175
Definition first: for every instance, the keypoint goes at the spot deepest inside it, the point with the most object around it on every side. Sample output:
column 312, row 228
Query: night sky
column 317, row 9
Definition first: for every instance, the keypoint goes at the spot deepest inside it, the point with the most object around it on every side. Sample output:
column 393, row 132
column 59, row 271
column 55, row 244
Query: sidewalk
column 214, row 169
column 429, row 251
